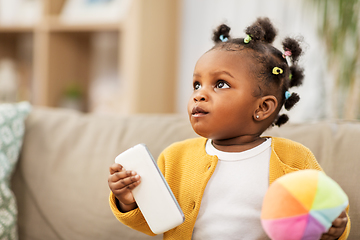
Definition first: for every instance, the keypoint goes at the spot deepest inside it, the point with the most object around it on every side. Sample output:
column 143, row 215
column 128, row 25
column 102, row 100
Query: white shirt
column 232, row 200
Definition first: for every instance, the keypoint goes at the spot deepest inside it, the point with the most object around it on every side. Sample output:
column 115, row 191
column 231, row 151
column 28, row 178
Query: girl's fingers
column 337, row 228
column 133, row 185
column 340, row 222
column 125, row 182
column 123, row 179
column 120, row 175
column 116, row 168
column 130, row 186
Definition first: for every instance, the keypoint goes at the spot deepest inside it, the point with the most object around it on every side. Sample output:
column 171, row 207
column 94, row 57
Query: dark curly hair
column 260, row 36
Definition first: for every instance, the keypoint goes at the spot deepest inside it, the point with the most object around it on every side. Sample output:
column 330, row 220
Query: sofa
column 60, row 179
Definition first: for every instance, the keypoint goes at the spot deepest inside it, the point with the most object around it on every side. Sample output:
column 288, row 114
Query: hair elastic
column 287, row 95
column 247, row 39
column 223, row 38
column 287, row 53
column 277, row 71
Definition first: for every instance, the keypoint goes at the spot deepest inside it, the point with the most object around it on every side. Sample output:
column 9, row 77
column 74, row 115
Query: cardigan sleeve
column 133, row 219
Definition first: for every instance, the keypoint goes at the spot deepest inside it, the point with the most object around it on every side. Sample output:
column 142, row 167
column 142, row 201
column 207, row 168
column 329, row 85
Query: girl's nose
column 200, row 95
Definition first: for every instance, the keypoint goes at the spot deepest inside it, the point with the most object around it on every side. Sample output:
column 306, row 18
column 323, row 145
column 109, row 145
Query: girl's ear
column 267, row 106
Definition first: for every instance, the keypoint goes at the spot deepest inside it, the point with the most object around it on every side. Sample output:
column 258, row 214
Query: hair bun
column 256, row 32
column 270, row 31
column 292, row 45
column 282, row 119
column 297, row 76
column 262, row 29
column 291, row 101
column 224, row 30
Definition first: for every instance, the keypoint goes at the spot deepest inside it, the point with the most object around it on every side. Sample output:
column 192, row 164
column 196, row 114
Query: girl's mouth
column 198, row 112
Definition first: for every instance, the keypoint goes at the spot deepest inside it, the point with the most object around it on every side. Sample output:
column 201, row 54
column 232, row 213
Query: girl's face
column 223, row 105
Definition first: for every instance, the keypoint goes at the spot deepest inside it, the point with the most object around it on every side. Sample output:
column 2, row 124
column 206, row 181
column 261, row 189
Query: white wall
column 291, row 18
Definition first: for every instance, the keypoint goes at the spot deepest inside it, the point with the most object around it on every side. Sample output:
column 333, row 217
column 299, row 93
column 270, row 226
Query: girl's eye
column 197, row 86
column 222, row 84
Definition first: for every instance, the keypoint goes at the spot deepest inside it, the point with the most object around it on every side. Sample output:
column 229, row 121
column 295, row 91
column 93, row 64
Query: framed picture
column 94, row 11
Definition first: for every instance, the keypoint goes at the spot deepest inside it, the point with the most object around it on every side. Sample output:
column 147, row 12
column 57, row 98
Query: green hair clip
column 247, row 39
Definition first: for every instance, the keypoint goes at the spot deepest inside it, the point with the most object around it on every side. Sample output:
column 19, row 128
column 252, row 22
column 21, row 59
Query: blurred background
column 137, row 56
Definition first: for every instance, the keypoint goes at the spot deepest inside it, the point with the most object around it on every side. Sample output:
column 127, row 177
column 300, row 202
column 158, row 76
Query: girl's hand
column 337, row 228
column 121, row 182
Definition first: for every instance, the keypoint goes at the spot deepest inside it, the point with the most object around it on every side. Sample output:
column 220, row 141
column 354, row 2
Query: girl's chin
column 212, row 136
column 204, row 131
column 200, row 133
column 204, row 134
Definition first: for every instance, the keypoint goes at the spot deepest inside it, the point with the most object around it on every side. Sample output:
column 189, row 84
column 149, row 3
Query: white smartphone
column 153, row 195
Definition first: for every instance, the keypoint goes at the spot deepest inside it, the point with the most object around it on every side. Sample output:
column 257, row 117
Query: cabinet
column 61, row 54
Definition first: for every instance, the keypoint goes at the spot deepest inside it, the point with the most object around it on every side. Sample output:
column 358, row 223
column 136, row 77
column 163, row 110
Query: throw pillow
column 11, row 134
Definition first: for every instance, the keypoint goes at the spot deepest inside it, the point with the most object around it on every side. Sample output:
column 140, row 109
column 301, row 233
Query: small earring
column 257, row 116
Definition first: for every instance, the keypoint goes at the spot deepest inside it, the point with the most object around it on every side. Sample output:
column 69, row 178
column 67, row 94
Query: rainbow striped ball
column 302, row 205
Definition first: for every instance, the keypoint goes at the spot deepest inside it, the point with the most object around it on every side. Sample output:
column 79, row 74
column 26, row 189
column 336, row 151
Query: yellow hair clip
column 277, row 71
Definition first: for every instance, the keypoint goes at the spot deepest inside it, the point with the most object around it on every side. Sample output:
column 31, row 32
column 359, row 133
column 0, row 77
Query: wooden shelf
column 55, row 24
column 61, row 53
column 16, row 29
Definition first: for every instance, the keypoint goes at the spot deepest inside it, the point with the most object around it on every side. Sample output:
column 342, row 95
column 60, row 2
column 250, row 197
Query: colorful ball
column 302, row 205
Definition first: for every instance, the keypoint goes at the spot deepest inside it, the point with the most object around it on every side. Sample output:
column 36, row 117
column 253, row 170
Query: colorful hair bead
column 277, row 71
column 223, row 38
column 287, row 95
column 290, row 76
column 247, row 39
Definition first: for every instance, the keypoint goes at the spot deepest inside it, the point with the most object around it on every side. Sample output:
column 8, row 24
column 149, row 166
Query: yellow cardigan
column 187, row 169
